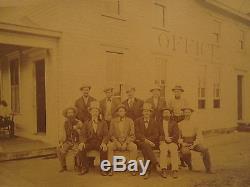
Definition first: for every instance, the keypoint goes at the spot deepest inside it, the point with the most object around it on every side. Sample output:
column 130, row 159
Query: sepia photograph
column 126, row 93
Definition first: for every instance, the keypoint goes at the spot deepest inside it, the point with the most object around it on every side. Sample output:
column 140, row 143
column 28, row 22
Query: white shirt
column 94, row 123
column 177, row 104
column 165, row 128
column 108, row 114
column 156, row 100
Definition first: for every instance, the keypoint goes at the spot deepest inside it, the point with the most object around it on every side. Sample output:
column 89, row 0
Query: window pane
column 216, row 103
column 159, row 19
column 201, row 104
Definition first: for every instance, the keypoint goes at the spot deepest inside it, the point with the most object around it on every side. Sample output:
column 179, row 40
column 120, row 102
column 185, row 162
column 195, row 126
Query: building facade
column 59, row 45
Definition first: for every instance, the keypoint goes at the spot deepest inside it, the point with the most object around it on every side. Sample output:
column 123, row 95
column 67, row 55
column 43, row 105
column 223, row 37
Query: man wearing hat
column 122, row 135
column 177, row 103
column 108, row 105
column 94, row 136
column 191, row 139
column 133, row 104
column 82, row 104
column 169, row 135
column 72, row 128
column 147, row 137
column 157, row 102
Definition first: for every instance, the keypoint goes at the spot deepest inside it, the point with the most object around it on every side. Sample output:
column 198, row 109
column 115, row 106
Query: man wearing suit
column 133, row 104
column 82, row 104
column 94, row 136
column 70, row 141
column 122, row 135
column 108, row 105
column 147, row 137
column 169, row 135
column 157, row 102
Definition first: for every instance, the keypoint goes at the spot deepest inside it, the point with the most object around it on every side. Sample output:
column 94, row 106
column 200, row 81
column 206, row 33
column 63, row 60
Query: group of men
column 110, row 125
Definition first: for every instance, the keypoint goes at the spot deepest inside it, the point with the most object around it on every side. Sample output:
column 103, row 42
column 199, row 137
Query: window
column 14, row 79
column 114, row 71
column 217, row 89
column 160, row 74
column 216, row 31
column 159, row 15
column 242, row 40
column 202, row 88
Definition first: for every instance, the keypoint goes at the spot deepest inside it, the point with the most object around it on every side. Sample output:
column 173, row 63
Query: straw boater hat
column 155, row 87
column 177, row 87
column 108, row 88
column 120, row 106
column 94, row 104
column 85, row 86
column 167, row 108
column 67, row 109
column 187, row 108
column 147, row 106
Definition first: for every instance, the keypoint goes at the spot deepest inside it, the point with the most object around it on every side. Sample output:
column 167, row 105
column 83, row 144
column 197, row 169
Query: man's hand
column 81, row 146
column 150, row 143
column 123, row 147
column 180, row 141
column 104, row 147
column 168, row 139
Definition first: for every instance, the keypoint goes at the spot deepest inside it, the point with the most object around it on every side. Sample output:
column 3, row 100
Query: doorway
column 40, row 96
column 240, row 102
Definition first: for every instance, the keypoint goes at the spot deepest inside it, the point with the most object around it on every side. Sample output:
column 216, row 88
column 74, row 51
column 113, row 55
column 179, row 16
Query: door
column 40, row 96
column 240, row 96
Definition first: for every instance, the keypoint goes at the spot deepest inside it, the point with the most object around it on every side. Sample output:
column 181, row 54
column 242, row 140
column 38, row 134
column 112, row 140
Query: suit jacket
column 103, row 105
column 135, row 111
column 72, row 135
column 151, row 133
column 173, row 131
column 88, row 135
column 127, row 134
column 82, row 108
column 157, row 109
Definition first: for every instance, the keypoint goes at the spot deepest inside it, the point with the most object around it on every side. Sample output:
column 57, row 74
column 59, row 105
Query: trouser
column 174, row 157
column 62, row 151
column 131, row 147
column 89, row 146
column 148, row 154
column 186, row 152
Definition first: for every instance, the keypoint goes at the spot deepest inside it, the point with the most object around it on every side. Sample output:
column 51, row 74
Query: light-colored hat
column 187, row 108
column 147, row 106
column 177, row 87
column 65, row 111
column 155, row 87
column 108, row 88
column 167, row 108
column 94, row 104
column 85, row 86
column 120, row 106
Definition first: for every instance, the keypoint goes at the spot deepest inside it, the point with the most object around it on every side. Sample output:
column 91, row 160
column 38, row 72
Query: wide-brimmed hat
column 166, row 108
column 177, row 87
column 108, row 88
column 155, row 87
column 120, row 106
column 85, row 86
column 94, row 105
column 147, row 106
column 187, row 108
column 65, row 111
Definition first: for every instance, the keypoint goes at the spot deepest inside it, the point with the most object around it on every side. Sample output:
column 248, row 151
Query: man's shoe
column 63, row 169
column 133, row 173
column 146, row 176
column 164, row 173
column 84, row 171
column 209, row 171
column 175, row 174
column 104, row 173
column 158, row 168
column 190, row 167
column 110, row 173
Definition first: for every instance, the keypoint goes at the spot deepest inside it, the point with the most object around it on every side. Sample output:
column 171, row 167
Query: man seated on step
column 94, row 136
column 147, row 137
column 169, row 135
column 191, row 139
column 122, row 135
column 70, row 141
